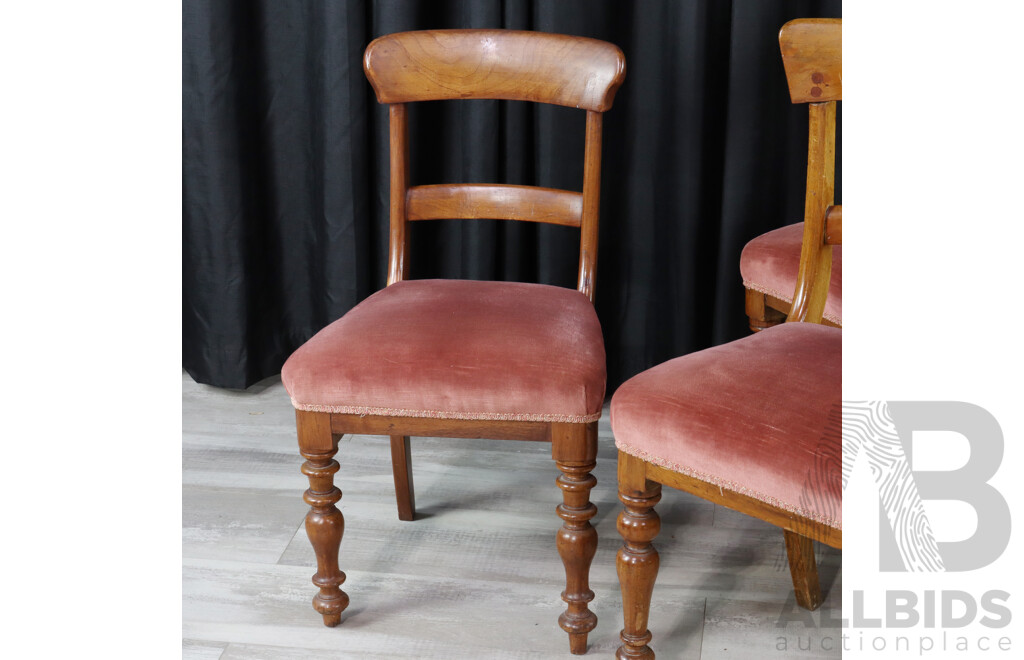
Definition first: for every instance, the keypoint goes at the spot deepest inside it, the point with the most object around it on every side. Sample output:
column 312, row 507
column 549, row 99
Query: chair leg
column 324, row 523
column 761, row 316
column 401, row 464
column 637, row 560
column 574, row 448
column 804, row 570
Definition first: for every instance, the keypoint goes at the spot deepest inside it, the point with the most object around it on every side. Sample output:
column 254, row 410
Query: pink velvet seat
column 457, row 349
column 769, row 263
column 748, row 416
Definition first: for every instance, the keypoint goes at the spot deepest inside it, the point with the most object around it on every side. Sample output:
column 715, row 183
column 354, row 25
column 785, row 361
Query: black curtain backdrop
column 285, row 170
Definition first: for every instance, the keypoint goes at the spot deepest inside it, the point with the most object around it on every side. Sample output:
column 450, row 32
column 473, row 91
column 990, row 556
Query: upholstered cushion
column 769, row 264
column 749, row 415
column 457, row 349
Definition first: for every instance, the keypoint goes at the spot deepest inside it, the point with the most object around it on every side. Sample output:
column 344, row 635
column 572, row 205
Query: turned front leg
column 574, row 449
column 577, row 543
column 324, row 523
column 637, row 560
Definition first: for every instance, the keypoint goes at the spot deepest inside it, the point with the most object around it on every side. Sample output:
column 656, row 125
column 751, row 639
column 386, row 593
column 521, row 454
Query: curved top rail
column 432, row 65
column 812, row 52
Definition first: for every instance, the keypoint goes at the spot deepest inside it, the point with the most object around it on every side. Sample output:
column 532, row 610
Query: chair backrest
column 433, row 65
column 812, row 53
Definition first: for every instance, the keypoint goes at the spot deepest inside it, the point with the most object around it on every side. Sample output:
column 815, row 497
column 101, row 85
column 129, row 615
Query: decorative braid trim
column 731, row 485
column 787, row 298
column 447, row 414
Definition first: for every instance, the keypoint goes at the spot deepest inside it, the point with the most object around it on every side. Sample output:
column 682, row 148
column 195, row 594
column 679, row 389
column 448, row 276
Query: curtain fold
column 285, row 170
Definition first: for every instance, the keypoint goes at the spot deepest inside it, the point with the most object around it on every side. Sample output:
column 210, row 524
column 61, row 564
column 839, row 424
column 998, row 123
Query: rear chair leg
column 324, row 523
column 804, row 570
column 761, row 316
column 401, row 464
column 574, row 448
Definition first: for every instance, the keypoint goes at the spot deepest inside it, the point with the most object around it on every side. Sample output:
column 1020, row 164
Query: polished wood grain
column 591, row 206
column 401, row 465
column 745, row 504
column 440, row 428
column 325, row 525
column 812, row 53
column 574, row 448
column 432, row 65
column 763, row 311
column 815, row 269
column 398, row 241
column 503, row 202
column 637, row 560
column 454, row 64
column 804, row 570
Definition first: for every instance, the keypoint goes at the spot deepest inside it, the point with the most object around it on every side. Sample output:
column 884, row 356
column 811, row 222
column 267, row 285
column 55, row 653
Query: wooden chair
column 768, row 263
column 468, row 359
column 753, row 425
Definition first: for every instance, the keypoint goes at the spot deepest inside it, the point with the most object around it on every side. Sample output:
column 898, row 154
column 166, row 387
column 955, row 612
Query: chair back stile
column 812, row 56
column 398, row 240
column 494, row 64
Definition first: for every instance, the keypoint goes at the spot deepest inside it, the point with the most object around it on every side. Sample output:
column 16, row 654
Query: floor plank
column 194, row 650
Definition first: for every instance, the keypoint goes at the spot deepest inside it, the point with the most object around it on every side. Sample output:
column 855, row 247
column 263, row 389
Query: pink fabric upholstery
column 749, row 415
column 769, row 264
column 457, row 349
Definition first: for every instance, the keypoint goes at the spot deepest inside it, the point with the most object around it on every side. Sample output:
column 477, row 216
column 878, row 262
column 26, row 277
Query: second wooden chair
column 769, row 263
column 753, row 425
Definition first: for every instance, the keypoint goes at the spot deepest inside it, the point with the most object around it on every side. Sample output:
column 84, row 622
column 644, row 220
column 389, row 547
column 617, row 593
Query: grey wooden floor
column 476, row 576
